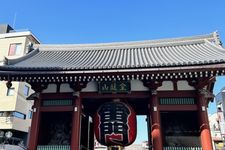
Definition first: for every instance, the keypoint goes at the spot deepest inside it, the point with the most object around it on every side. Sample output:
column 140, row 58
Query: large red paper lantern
column 115, row 124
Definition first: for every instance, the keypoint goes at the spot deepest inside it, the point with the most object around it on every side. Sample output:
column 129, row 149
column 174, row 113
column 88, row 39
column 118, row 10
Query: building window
column 30, row 114
column 26, row 90
column 10, row 91
column 1, row 113
column 15, row 49
column 19, row 115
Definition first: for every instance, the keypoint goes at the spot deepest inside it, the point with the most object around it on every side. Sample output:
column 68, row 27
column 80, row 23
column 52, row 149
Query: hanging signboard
column 115, row 124
column 114, row 87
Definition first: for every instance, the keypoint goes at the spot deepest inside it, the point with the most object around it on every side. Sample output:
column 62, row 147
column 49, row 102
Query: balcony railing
column 53, row 147
column 182, row 148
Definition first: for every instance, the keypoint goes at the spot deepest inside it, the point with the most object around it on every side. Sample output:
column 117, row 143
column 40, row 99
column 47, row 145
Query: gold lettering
column 105, row 87
column 122, row 87
column 113, row 86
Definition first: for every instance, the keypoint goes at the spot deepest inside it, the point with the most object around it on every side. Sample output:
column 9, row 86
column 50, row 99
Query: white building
column 15, row 110
column 217, row 122
column 215, row 131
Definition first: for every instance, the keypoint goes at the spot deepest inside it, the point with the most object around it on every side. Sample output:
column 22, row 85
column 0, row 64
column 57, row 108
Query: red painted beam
column 178, row 107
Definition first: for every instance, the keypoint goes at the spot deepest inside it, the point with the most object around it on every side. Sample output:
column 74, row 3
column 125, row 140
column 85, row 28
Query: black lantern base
column 115, row 148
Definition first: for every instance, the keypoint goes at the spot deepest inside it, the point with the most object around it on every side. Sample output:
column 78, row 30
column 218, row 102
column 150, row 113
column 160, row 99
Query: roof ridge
column 212, row 37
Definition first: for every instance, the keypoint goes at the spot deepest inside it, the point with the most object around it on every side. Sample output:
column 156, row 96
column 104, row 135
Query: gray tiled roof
column 188, row 51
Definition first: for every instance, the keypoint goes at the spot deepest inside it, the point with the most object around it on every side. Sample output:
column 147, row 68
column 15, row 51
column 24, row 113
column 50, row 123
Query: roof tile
column 125, row 55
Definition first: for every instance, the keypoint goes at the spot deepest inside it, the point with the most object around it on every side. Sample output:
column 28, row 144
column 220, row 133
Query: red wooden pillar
column 34, row 132
column 155, row 121
column 205, row 134
column 76, row 123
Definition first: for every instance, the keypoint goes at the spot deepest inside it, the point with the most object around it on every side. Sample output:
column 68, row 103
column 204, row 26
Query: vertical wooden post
column 76, row 117
column 36, row 118
column 155, row 119
column 76, row 123
column 34, row 132
column 205, row 135
column 156, row 133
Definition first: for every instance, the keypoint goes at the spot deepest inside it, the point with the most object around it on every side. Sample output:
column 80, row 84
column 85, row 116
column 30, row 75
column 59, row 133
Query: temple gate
column 170, row 81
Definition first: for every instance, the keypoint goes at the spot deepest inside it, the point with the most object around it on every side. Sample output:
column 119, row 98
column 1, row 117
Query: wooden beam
column 178, row 107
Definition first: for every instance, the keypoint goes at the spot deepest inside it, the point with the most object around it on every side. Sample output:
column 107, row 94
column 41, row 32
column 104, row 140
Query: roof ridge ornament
column 217, row 38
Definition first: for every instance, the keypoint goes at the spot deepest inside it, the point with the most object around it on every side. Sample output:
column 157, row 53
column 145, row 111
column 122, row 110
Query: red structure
column 170, row 81
column 115, row 124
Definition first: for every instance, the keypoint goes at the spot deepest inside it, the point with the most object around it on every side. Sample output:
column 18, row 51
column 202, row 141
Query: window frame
column 19, row 115
column 15, row 49
column 30, row 114
column 26, row 90
column 9, row 91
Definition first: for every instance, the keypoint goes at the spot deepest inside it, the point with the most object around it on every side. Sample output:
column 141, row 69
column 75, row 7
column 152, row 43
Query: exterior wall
column 220, row 100
column 8, row 103
column 166, row 86
column 22, row 98
column 5, row 43
column 21, row 125
column 50, row 89
column 65, row 88
column 215, row 131
column 6, row 122
column 23, row 106
column 92, row 86
column 15, row 123
column 183, row 85
column 16, row 102
column 136, row 85
column 218, row 122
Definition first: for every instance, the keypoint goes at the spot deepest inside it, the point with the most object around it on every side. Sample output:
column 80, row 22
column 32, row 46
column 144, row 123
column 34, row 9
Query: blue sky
column 94, row 21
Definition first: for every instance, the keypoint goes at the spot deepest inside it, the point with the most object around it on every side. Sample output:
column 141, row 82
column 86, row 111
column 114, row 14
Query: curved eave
column 115, row 74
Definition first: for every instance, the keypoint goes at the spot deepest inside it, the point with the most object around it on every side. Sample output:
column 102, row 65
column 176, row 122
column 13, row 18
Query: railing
column 53, row 147
column 182, row 148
